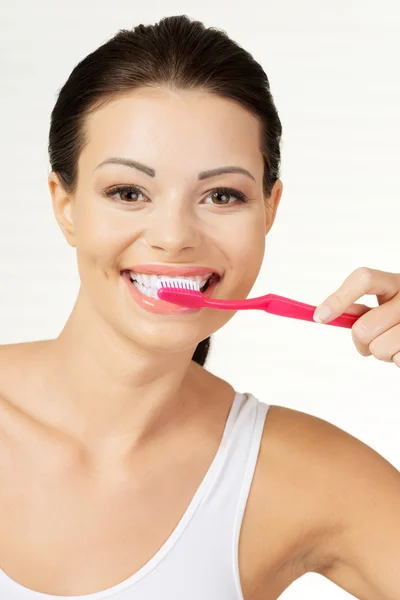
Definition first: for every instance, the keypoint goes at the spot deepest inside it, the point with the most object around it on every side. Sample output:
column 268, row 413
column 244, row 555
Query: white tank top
column 199, row 560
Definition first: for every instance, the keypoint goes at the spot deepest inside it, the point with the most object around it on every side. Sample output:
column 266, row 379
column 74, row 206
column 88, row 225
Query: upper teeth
column 154, row 281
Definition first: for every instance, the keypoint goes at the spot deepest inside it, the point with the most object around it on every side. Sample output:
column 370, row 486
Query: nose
column 173, row 228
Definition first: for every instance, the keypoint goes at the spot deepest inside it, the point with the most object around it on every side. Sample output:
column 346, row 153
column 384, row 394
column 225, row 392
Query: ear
column 63, row 205
column 272, row 203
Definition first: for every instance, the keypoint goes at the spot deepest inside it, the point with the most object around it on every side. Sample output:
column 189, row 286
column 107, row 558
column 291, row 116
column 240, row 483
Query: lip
column 158, row 306
column 173, row 270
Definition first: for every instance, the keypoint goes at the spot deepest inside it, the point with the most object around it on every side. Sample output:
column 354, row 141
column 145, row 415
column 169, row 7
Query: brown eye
column 222, row 196
column 128, row 193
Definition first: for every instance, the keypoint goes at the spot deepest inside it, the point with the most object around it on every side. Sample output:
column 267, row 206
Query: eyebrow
column 127, row 162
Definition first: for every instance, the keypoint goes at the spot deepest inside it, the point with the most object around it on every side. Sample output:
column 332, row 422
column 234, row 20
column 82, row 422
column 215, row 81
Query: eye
column 223, row 194
column 125, row 191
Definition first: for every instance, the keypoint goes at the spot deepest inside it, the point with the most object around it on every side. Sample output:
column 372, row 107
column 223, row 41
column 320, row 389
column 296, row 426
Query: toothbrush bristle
column 182, row 285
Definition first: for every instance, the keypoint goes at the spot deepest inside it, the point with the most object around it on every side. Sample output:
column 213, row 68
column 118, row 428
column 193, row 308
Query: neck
column 108, row 390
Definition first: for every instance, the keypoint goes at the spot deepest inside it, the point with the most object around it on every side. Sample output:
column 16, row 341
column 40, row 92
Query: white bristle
column 188, row 285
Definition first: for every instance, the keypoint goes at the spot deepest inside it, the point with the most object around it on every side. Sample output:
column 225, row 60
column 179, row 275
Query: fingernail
column 322, row 314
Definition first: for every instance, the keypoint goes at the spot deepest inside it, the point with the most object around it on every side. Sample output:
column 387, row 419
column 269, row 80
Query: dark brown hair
column 176, row 52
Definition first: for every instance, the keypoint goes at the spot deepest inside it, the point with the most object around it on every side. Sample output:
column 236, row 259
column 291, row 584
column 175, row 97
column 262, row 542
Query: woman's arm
column 360, row 493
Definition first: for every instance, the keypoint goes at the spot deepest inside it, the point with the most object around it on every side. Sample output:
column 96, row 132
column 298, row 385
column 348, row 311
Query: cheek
column 251, row 259
column 103, row 233
column 246, row 265
column 247, row 250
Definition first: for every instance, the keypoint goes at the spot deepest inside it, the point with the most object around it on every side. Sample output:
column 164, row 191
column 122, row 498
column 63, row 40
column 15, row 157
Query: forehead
column 154, row 124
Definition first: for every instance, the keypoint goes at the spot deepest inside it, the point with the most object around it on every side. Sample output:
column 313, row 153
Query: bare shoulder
column 21, row 349
column 14, row 358
column 300, row 474
column 18, row 371
column 12, row 365
column 339, row 497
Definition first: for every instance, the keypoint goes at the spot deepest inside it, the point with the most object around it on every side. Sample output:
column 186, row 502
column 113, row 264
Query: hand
column 377, row 331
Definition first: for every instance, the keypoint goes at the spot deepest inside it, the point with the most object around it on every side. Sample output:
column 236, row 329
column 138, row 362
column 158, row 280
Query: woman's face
column 173, row 216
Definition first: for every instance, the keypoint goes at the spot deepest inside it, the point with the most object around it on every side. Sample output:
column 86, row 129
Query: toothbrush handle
column 285, row 307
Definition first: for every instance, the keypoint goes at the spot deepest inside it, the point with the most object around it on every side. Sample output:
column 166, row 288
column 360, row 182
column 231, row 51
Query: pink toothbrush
column 271, row 303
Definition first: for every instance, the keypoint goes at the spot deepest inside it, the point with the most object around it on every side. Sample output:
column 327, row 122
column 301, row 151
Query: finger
column 396, row 359
column 358, row 309
column 373, row 324
column 360, row 282
column 386, row 346
column 360, row 340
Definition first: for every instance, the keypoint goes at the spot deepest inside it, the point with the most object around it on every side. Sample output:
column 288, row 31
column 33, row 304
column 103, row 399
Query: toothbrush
column 185, row 294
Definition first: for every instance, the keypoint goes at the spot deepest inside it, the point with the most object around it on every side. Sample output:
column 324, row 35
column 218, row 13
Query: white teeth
column 149, row 284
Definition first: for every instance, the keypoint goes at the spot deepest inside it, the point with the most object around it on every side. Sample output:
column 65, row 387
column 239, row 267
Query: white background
column 333, row 70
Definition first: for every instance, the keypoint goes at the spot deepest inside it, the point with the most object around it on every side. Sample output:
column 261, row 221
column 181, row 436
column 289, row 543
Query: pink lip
column 177, row 270
column 158, row 306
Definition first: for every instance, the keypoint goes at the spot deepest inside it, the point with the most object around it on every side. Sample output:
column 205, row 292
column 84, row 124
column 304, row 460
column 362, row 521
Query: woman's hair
column 177, row 53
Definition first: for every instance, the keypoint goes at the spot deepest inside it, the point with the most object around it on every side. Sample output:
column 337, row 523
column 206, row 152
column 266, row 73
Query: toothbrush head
column 183, row 293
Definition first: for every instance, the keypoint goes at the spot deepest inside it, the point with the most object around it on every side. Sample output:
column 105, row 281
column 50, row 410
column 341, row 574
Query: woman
column 127, row 469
